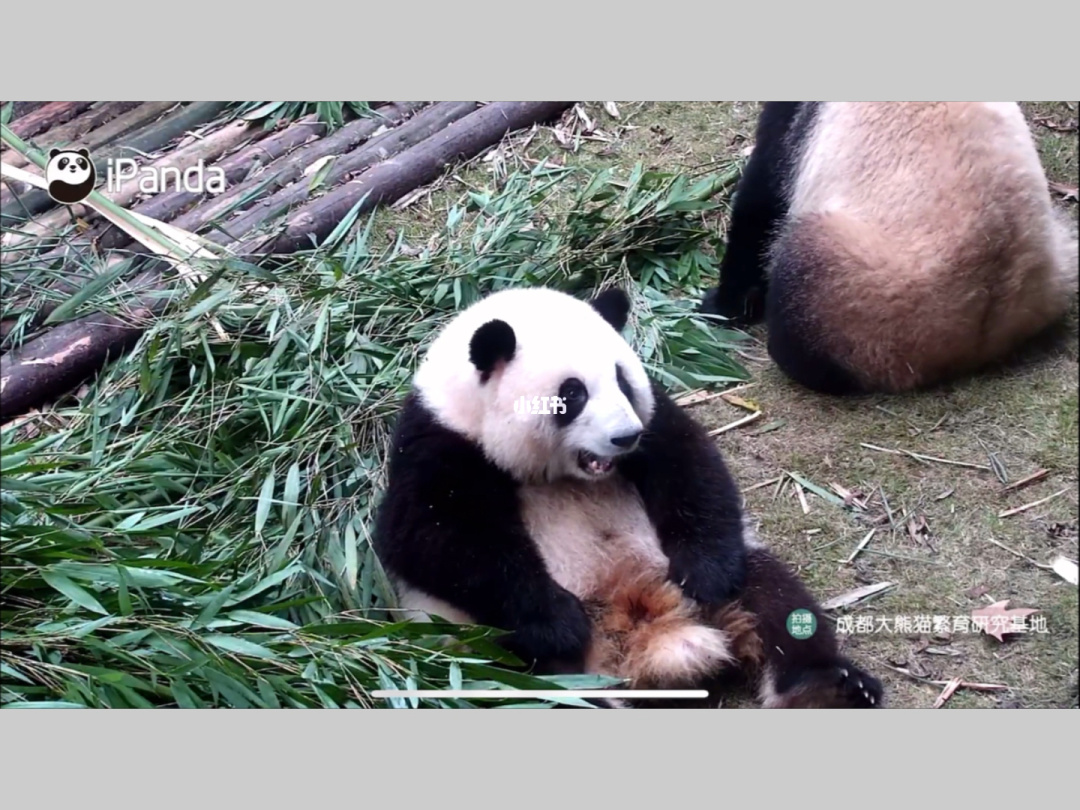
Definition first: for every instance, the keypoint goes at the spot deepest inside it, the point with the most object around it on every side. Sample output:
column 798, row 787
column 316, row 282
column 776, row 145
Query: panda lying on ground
column 894, row 246
column 607, row 535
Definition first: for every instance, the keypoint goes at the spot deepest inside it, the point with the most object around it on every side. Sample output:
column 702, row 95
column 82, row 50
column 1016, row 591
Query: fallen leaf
column 612, row 110
column 851, row 597
column 944, row 495
column 315, row 165
column 947, row 692
column 776, row 424
column 1066, row 192
column 739, row 402
column 1066, row 569
column 589, row 125
column 977, row 591
column 1001, row 621
column 917, row 529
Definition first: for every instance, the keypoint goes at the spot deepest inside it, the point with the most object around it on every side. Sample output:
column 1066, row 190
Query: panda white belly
column 584, row 530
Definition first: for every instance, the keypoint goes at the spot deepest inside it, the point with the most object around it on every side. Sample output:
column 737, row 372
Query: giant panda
column 894, row 246
column 604, row 531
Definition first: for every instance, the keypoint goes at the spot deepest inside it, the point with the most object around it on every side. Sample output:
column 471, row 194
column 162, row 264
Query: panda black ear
column 53, row 153
column 84, row 152
column 491, row 343
column 613, row 306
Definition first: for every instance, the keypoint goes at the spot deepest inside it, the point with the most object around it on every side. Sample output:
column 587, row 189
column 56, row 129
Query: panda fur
column 70, row 174
column 607, row 539
column 894, row 246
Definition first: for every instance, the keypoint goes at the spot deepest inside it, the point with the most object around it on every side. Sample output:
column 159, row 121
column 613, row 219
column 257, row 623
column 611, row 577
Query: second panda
column 894, row 246
column 606, row 535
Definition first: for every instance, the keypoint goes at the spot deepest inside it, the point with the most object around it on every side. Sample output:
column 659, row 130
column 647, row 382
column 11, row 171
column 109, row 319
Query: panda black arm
column 449, row 526
column 759, row 205
column 692, row 501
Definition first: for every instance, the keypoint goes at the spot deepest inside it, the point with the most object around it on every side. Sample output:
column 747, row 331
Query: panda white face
column 490, row 364
column 72, row 168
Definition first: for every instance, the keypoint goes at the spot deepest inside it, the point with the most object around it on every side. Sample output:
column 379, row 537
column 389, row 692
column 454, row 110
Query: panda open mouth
column 594, row 464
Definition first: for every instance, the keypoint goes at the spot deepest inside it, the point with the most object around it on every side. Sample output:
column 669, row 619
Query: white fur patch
column 421, row 607
column 688, row 652
column 582, row 529
column 767, row 694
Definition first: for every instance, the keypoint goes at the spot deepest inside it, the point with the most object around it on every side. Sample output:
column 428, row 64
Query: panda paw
column 839, row 686
column 705, row 577
column 557, row 642
column 857, row 689
column 740, row 308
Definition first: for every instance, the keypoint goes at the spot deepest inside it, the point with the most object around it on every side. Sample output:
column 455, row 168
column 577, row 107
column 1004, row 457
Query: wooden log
column 413, row 168
column 150, row 139
column 422, row 126
column 69, row 133
column 21, row 108
column 47, row 117
column 60, row 360
column 288, row 171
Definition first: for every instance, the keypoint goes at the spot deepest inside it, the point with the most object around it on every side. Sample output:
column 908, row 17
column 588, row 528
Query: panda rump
column 894, row 246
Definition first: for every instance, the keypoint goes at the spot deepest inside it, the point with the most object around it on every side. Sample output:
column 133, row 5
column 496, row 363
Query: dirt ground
column 946, row 549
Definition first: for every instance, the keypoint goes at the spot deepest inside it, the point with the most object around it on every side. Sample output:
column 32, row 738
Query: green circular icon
column 801, row 624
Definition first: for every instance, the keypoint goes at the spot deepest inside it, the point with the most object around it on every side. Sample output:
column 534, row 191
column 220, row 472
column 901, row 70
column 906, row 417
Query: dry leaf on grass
column 917, row 529
column 739, row 402
column 611, row 109
column 1001, row 620
column 851, row 597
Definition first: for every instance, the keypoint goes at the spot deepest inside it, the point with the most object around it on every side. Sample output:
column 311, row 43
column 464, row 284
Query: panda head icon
column 70, row 174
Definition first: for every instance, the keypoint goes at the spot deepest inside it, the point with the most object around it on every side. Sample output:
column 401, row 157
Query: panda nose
column 626, row 441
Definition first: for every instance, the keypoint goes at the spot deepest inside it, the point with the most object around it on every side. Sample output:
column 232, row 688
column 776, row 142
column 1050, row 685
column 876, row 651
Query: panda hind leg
column 794, row 671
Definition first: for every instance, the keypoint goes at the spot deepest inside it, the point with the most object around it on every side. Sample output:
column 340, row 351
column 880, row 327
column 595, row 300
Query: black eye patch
column 62, row 164
column 573, row 396
column 624, row 386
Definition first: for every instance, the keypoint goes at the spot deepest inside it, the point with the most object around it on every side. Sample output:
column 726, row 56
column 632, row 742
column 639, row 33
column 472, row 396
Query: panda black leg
column 802, row 666
column 840, row 685
column 758, row 208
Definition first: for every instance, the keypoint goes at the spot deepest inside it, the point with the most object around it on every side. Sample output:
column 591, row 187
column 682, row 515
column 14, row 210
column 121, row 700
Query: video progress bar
column 657, row 694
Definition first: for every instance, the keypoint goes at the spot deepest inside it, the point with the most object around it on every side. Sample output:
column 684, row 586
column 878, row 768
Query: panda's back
column 585, row 530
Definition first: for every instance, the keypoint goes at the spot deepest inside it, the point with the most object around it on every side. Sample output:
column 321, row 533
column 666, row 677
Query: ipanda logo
column 70, row 174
